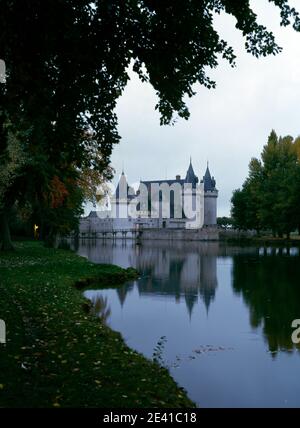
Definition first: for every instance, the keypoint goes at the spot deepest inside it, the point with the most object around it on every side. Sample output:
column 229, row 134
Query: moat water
column 222, row 314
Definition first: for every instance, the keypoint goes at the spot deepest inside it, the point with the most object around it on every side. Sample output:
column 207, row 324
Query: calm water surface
column 225, row 313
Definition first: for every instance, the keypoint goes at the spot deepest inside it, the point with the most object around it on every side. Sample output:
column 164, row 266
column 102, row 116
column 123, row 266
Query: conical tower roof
column 123, row 189
column 208, row 180
column 190, row 175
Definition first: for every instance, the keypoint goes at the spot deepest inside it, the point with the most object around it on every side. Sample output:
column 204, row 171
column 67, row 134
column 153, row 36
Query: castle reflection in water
column 182, row 270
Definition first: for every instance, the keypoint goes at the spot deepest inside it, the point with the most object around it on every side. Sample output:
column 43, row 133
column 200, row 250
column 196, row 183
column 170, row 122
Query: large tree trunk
column 6, row 244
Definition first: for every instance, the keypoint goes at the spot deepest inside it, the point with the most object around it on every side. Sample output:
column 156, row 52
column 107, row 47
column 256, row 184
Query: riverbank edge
column 57, row 354
column 262, row 241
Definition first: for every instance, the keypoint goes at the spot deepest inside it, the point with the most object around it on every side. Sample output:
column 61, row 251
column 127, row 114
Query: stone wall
column 205, row 234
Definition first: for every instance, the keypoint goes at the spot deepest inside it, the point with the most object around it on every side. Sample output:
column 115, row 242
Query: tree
column 243, row 210
column 12, row 162
column 238, row 209
column 224, row 222
column 281, row 169
column 67, row 63
column 269, row 198
column 246, row 202
column 296, row 202
column 61, row 208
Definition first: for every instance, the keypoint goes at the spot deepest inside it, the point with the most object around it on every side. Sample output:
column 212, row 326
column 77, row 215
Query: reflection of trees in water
column 101, row 309
column 270, row 287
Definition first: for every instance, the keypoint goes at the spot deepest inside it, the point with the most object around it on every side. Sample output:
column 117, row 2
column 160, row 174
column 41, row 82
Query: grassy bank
column 56, row 354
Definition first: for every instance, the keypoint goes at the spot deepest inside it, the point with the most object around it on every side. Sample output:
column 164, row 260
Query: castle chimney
column 177, row 177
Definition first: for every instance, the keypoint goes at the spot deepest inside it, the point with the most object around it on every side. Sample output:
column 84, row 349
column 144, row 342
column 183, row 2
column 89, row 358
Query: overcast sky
column 228, row 125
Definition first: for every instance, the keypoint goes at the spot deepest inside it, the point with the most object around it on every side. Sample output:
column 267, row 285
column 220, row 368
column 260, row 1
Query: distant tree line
column 224, row 222
column 270, row 196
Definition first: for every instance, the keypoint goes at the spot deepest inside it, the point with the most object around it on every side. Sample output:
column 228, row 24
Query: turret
column 210, row 199
column 191, row 176
column 122, row 196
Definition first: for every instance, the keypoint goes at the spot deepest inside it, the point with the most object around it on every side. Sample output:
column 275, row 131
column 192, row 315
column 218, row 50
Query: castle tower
column 210, row 199
column 197, row 199
column 123, row 194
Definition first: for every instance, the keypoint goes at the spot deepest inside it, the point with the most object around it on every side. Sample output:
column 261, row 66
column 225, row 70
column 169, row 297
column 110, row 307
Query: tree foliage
column 269, row 198
column 12, row 162
column 224, row 222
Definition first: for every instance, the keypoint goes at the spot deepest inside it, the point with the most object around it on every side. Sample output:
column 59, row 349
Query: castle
column 181, row 203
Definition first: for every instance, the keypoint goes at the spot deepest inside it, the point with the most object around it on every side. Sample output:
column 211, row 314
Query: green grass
column 57, row 354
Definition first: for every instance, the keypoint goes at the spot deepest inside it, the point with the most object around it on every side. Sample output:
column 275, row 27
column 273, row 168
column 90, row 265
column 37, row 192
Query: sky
column 228, row 125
